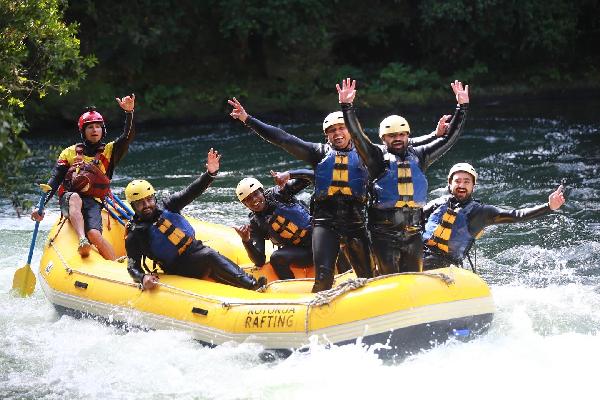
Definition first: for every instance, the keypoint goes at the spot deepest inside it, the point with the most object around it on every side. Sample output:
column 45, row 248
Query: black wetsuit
column 396, row 232
column 478, row 216
column 338, row 220
column 90, row 207
column 196, row 261
column 260, row 222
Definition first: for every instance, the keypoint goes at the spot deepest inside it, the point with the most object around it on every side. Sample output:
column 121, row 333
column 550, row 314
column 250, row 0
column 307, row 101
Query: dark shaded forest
column 184, row 58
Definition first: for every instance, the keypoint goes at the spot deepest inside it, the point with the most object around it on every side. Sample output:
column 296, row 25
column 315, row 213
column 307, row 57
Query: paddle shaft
column 41, row 205
column 125, row 207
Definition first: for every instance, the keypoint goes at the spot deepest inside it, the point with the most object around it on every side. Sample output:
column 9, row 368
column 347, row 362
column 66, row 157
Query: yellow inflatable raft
column 403, row 312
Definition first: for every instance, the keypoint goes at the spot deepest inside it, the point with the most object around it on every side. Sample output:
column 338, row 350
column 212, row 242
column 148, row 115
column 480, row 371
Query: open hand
column 127, row 103
column 443, row 125
column 244, row 231
column 347, row 92
column 461, row 93
column 280, row 178
column 238, row 111
column 556, row 198
column 213, row 161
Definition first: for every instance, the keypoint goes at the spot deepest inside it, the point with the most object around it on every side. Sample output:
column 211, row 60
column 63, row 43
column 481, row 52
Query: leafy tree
column 38, row 53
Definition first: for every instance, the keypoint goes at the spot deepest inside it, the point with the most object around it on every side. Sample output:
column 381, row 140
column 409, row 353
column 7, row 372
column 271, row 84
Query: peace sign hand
column 238, row 111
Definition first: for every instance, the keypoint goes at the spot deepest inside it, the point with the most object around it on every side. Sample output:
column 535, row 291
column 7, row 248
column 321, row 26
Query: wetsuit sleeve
column 492, row 215
column 121, row 144
column 309, row 152
column 134, row 257
column 58, row 174
column 369, row 153
column 299, row 180
column 255, row 247
column 178, row 200
column 431, row 152
column 423, row 140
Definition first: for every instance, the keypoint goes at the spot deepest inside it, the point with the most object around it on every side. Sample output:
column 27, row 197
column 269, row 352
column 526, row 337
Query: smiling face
column 93, row 132
column 461, row 185
column 396, row 142
column 255, row 201
column 338, row 136
column 145, row 207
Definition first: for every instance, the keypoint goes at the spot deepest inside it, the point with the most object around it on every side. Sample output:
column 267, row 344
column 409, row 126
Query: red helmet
column 88, row 117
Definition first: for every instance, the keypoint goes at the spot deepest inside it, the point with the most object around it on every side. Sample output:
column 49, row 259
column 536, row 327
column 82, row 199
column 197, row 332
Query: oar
column 125, row 207
column 122, row 212
column 24, row 279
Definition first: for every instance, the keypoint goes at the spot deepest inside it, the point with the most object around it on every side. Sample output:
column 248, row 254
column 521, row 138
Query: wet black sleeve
column 255, row 247
column 492, row 215
column 121, row 144
column 369, row 153
column 299, row 180
column 431, row 152
column 178, row 200
column 56, row 178
column 134, row 257
column 423, row 140
column 309, row 152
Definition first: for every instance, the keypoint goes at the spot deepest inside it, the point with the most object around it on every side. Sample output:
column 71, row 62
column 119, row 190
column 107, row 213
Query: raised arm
column 369, row 153
column 292, row 182
column 122, row 143
column 178, row 200
column 433, row 151
column 442, row 128
column 309, row 152
column 492, row 215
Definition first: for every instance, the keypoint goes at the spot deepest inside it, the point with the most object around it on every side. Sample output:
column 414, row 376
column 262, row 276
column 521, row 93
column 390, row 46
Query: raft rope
column 321, row 298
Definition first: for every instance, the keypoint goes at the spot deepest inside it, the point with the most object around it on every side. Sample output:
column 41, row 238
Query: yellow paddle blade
column 23, row 281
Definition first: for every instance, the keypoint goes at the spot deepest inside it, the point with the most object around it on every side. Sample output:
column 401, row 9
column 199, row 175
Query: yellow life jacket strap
column 175, row 235
column 339, row 180
column 288, row 230
column 442, row 232
column 406, row 190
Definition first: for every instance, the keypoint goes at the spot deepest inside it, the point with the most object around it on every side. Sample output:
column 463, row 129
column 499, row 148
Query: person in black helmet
column 82, row 176
column 397, row 178
column 454, row 221
column 276, row 214
column 164, row 235
column 339, row 198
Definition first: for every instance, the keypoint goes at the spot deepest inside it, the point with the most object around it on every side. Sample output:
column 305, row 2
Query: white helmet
column 463, row 167
column 246, row 187
column 393, row 124
column 336, row 117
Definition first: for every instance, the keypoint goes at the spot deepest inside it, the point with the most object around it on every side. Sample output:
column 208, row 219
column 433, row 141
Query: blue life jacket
column 447, row 229
column 290, row 224
column 341, row 173
column 170, row 236
column 403, row 184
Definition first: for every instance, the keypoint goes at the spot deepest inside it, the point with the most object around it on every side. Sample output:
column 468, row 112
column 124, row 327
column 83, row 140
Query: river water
column 544, row 274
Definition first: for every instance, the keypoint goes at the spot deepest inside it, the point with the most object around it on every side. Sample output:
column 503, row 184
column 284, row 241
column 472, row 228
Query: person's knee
column 278, row 259
column 75, row 202
column 94, row 235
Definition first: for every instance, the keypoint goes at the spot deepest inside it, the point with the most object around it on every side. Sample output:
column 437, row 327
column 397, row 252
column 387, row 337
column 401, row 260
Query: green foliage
column 38, row 53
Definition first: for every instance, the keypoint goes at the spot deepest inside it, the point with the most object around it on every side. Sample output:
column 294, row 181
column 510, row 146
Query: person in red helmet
column 82, row 176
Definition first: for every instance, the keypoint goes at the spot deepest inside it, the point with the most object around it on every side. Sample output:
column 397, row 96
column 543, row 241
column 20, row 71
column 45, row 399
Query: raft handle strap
column 82, row 285
column 200, row 311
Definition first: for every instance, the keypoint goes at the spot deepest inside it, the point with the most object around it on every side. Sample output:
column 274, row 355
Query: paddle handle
column 41, row 204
